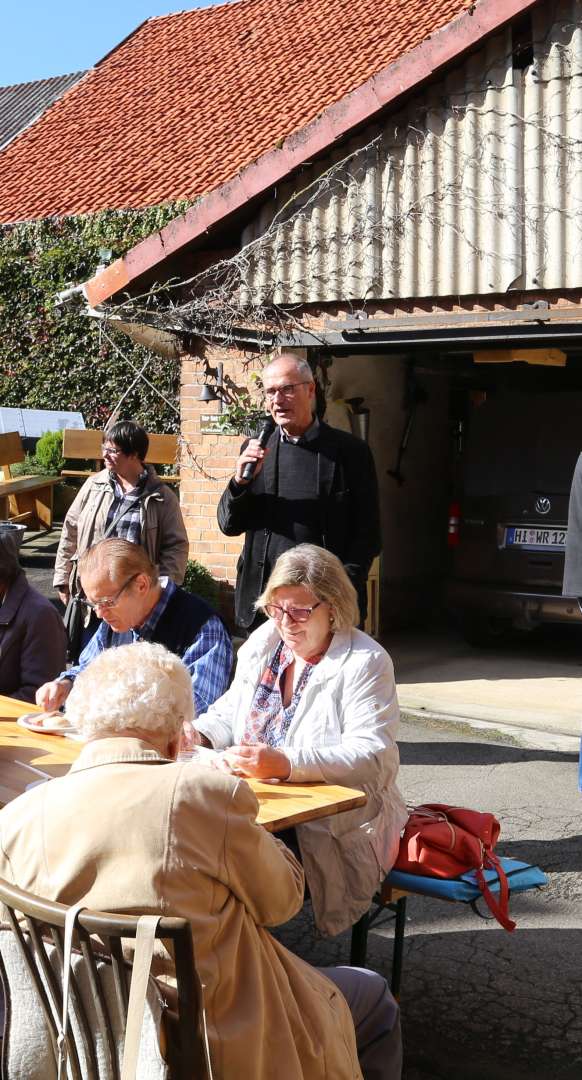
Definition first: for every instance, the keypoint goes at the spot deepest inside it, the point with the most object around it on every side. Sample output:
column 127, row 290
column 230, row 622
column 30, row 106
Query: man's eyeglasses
column 111, row 451
column 285, row 391
column 296, row 614
column 106, row 605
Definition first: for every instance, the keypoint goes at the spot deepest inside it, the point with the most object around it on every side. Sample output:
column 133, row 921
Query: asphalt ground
column 477, row 1002
column 529, row 680
column 37, row 556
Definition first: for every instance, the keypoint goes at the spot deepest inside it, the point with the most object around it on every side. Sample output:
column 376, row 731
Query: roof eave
column 356, row 108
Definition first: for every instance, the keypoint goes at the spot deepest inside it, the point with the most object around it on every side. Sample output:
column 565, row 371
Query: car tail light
column 454, row 522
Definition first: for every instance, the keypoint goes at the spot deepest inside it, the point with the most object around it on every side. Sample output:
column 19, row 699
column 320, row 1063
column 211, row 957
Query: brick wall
column 208, row 460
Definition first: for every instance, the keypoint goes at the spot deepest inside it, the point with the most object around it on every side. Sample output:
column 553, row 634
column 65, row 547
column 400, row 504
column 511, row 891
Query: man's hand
column 252, row 452
column 258, row 760
column 53, row 694
column 64, row 594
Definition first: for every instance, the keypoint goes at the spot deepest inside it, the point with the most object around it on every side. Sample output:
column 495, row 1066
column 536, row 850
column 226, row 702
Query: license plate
column 535, row 536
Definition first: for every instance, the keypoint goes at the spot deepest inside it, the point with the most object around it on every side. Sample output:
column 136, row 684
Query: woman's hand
column 258, row 760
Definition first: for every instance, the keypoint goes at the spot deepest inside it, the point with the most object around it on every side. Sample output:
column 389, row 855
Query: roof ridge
column 46, row 79
column 195, row 10
column 121, row 43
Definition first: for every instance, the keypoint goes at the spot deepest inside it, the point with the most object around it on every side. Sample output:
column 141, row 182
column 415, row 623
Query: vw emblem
column 543, row 505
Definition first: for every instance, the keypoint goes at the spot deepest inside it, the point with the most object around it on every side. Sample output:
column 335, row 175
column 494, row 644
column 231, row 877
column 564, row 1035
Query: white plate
column 30, row 722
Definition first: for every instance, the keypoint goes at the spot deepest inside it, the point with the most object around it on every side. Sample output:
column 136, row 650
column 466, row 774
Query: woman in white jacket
column 313, row 699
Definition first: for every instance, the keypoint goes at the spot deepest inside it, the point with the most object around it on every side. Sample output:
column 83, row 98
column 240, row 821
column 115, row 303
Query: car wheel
column 485, row 632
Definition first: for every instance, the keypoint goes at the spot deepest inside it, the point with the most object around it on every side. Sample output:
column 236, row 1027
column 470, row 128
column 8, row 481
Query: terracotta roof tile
column 188, row 100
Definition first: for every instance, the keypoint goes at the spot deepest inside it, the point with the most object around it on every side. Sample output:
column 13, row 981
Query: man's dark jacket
column 347, row 520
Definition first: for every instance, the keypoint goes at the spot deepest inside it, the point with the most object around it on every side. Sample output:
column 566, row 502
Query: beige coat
column 128, row 831
column 343, row 732
column 163, row 531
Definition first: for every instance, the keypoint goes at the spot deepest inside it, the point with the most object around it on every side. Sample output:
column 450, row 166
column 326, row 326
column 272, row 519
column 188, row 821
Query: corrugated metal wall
column 476, row 187
column 553, row 150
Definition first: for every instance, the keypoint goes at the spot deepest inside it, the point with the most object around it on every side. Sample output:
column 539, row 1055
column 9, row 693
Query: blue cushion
column 520, row 877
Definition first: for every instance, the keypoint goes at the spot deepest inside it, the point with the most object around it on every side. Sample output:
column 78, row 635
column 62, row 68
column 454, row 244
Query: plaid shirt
column 208, row 658
column 129, row 525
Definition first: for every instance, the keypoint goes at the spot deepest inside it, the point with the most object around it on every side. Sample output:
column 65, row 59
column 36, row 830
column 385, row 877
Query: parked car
column 508, row 527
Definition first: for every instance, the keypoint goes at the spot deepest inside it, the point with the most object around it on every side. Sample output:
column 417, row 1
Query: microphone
column 263, row 435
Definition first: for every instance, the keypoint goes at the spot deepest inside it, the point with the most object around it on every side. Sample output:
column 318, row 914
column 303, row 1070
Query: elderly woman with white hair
column 133, row 830
column 314, row 699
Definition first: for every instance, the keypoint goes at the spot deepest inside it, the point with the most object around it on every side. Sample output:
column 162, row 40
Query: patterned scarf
column 269, row 719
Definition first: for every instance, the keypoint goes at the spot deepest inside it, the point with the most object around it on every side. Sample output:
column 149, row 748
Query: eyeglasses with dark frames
column 285, row 391
column 111, row 451
column 106, row 605
column 296, row 614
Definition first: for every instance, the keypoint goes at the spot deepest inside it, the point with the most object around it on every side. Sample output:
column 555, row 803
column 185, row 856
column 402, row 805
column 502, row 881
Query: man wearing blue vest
column 122, row 585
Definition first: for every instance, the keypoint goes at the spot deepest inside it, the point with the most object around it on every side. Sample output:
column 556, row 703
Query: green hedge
column 49, row 453
column 49, row 361
column 199, row 580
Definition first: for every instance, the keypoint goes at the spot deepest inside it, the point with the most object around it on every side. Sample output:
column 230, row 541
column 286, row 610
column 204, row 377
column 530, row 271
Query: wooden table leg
column 359, row 942
column 44, row 506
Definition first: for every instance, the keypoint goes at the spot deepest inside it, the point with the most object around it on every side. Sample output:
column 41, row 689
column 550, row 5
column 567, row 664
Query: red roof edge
column 334, row 123
column 129, row 35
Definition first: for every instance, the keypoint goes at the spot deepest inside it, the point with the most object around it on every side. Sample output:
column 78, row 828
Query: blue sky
column 40, row 38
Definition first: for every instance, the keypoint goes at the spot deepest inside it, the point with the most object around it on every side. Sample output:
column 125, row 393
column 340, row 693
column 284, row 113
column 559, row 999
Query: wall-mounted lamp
column 214, row 391
column 359, row 417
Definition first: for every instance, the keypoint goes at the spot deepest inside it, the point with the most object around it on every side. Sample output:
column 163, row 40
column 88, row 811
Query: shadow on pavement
column 476, row 1004
column 474, row 753
column 561, row 856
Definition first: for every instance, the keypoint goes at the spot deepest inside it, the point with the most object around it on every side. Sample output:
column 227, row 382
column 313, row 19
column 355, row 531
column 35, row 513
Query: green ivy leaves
column 52, row 362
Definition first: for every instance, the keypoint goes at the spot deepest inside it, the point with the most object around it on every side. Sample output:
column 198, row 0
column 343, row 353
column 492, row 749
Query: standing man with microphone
column 300, row 481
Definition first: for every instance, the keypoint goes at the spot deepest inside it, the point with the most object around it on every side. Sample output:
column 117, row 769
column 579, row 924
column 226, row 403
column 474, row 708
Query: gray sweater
column 573, row 564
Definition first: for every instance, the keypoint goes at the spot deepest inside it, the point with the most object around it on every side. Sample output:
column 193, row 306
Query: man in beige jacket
column 131, row 829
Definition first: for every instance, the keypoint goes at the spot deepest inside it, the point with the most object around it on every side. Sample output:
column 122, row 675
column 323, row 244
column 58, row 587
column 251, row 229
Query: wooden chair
column 31, row 967
column 85, row 444
column 372, row 624
column 24, row 499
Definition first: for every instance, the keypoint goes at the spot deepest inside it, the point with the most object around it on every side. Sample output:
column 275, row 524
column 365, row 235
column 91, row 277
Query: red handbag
column 446, row 841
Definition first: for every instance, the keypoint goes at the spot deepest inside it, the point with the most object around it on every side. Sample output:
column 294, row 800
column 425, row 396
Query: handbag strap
column 142, row 962
column 499, row 908
column 62, row 1037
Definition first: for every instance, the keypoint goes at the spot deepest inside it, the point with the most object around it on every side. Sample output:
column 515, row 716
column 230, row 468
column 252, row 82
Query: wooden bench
column 390, row 904
column 85, row 444
column 24, row 499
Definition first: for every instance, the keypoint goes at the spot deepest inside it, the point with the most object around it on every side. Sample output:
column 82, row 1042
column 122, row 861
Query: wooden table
column 283, row 805
column 22, row 752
